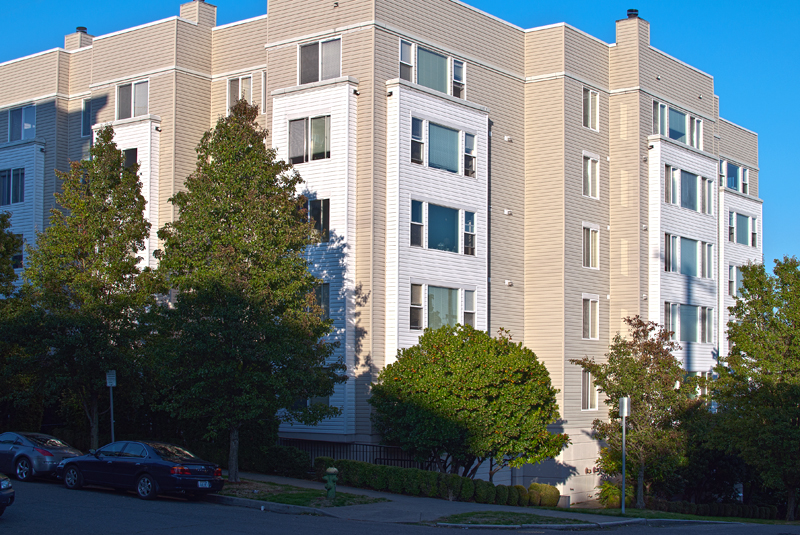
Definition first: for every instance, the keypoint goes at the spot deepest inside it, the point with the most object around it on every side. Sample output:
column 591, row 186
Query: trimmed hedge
column 484, row 491
column 548, row 494
column 513, row 496
column 501, row 494
column 523, row 495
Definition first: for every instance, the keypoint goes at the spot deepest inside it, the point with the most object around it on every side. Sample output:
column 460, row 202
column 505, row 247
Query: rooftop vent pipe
column 81, row 29
column 633, row 13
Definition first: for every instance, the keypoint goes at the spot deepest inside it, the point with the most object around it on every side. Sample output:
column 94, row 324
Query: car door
column 128, row 465
column 6, row 452
column 99, row 469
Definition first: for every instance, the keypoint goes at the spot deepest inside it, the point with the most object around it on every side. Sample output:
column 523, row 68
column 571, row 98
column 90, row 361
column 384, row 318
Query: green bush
column 550, row 496
column 763, row 513
column 450, row 486
column 320, row 465
column 523, row 495
column 412, row 481
column 395, row 479
column 610, row 495
column 513, row 497
column 773, row 512
column 534, row 494
column 713, row 509
column 702, row 509
column 738, row 510
column 729, row 510
column 379, row 477
column 692, row 508
column 429, row 485
column 484, row 491
column 501, row 494
column 467, row 490
column 674, row 507
column 286, row 461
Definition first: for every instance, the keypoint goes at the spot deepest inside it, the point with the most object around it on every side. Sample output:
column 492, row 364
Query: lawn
column 291, row 495
column 504, row 518
column 649, row 513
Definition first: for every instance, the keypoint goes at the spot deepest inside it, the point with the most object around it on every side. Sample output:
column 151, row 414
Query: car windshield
column 171, row 452
column 45, row 441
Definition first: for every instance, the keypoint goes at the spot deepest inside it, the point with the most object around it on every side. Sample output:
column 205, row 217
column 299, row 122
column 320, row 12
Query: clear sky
column 751, row 49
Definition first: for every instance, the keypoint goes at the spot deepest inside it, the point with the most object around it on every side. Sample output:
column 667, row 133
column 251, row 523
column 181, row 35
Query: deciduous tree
column 10, row 246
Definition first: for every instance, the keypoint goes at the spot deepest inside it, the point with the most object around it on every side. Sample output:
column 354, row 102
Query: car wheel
column 22, row 469
column 73, row 479
column 2, row 509
column 146, row 487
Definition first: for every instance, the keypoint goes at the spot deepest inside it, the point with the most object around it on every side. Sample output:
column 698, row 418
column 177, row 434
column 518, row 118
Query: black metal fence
column 368, row 453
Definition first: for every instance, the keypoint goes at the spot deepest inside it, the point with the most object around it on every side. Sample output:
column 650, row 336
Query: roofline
column 29, row 56
column 738, row 126
column 679, row 61
column 237, row 22
column 139, row 27
column 571, row 27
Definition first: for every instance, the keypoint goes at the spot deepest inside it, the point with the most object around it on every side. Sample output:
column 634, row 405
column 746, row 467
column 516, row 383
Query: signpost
column 624, row 410
column 111, row 382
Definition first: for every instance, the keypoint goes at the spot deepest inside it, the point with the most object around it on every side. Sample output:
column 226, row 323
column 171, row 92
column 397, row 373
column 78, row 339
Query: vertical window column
column 469, row 233
column 416, row 308
column 469, row 307
column 588, row 391
column 417, row 225
column 591, row 317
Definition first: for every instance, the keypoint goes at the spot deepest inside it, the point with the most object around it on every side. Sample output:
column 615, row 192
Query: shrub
column 467, row 490
column 702, row 509
column 729, row 510
column 450, row 486
column 763, row 513
column 484, row 491
column 550, row 496
column 610, row 495
column 773, row 512
column 429, row 485
column 535, row 494
column 674, row 507
column 713, row 509
column 523, row 495
column 501, row 494
column 379, row 479
column 395, row 479
column 738, row 510
column 513, row 497
column 412, row 481
column 692, row 508
column 320, row 465
column 649, row 502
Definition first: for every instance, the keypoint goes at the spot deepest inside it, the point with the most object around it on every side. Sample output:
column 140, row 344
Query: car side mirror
column 93, row 452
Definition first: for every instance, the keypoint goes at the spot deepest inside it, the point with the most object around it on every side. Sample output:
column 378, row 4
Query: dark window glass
column 171, row 452
column 321, row 216
column 297, row 141
column 309, row 63
column 15, row 125
column 112, row 450
column 416, row 223
column 131, row 158
column 5, row 187
column 742, row 229
column 46, row 441
column 322, row 295
column 125, row 97
column 86, row 118
column 689, row 191
column 442, row 228
column 677, row 125
column 134, row 449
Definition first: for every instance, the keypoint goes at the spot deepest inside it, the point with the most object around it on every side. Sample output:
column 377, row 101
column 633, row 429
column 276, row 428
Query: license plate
column 203, row 484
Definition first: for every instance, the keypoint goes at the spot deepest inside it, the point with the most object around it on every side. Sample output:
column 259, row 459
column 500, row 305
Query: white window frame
column 705, row 317
column 469, row 232
column 594, row 109
column 589, row 391
column 594, row 246
column 423, row 291
column 470, row 158
column 450, row 66
column 23, row 133
column 411, row 63
column 466, row 311
column 671, row 318
column 672, row 184
column 462, row 82
column 707, row 260
column 423, row 212
column 693, row 125
column 707, row 196
column 307, row 158
column 593, row 301
column 426, row 225
column 671, row 263
column 421, row 141
column 425, row 142
column 590, row 176
column 239, row 79
column 133, row 85
column 319, row 43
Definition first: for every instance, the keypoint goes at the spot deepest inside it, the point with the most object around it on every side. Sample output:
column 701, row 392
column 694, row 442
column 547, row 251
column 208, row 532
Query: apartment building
column 460, row 168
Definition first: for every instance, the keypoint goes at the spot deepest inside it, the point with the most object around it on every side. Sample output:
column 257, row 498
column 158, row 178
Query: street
column 47, row 507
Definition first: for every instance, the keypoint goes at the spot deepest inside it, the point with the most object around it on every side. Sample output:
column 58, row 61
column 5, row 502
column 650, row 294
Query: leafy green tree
column 83, row 288
column 642, row 367
column 464, row 394
column 10, row 246
column 244, row 341
column 758, row 390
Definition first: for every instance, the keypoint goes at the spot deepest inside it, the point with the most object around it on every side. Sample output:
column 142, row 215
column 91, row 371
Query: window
column 591, row 108
column 130, row 158
column 732, row 174
column 753, row 233
column 707, row 265
column 86, row 118
column 706, row 325
column 320, row 60
column 677, row 125
column 707, row 196
column 417, row 144
column 731, row 226
column 735, row 280
column 469, row 308
column 22, row 123
column 16, row 261
column 689, row 264
column 240, row 88
column 469, row 155
column 442, row 228
column 689, row 316
column 670, row 185
column 736, row 176
column 132, row 100
column 588, row 392
column 432, row 70
column 416, row 307
column 417, row 226
column 745, row 180
column 443, row 148
column 689, row 183
column 591, row 317
column 469, row 233
column 406, row 61
column 670, row 253
column 319, row 210
column 671, row 319
column 458, row 79
column 319, row 400
column 591, row 175
column 322, row 298
column 12, row 186
column 442, row 306
column 742, row 229
column 591, row 247
column 313, row 142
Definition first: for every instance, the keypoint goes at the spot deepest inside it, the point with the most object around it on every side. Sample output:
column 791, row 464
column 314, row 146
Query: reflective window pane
column 442, row 307
column 442, row 228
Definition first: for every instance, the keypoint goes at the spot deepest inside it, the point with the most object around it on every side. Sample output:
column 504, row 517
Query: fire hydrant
column 330, row 482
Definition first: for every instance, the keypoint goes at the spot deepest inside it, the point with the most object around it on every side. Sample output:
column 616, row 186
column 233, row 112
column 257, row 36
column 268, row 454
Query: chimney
column 79, row 39
column 201, row 12
column 633, row 13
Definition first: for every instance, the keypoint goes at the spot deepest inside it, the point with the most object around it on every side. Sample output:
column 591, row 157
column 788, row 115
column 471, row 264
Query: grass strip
column 504, row 518
column 290, row 495
column 655, row 515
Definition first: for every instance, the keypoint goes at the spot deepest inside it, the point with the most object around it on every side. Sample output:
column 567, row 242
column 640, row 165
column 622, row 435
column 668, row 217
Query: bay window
column 689, row 264
column 442, row 228
column 442, row 306
column 320, row 60
column 309, row 139
column 443, row 148
column 12, row 186
column 677, row 125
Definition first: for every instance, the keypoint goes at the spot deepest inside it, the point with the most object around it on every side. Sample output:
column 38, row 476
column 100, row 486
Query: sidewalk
column 406, row 509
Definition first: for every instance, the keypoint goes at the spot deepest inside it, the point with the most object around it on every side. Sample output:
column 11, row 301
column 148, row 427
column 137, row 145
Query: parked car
column 6, row 493
column 149, row 468
column 29, row 455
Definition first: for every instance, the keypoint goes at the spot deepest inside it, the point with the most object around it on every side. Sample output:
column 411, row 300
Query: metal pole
column 111, row 393
column 623, row 464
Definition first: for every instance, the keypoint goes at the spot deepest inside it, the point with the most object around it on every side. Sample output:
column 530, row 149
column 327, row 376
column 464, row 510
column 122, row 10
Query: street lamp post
column 111, row 382
column 624, row 411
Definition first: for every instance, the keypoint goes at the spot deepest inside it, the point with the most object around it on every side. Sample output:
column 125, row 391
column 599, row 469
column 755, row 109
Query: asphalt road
column 46, row 507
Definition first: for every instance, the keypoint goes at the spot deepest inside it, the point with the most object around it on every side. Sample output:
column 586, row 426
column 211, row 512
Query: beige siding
column 738, row 143
column 240, row 46
column 193, row 47
column 80, row 71
column 624, row 56
column 192, row 109
column 586, row 57
column 154, row 46
column 28, row 78
column 685, row 86
column 293, row 19
column 544, row 51
column 544, row 226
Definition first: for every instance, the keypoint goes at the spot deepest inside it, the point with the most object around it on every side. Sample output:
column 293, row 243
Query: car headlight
column 5, row 484
column 62, row 463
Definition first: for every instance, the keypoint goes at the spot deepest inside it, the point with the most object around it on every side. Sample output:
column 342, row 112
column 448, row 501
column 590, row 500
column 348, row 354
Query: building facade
column 460, row 168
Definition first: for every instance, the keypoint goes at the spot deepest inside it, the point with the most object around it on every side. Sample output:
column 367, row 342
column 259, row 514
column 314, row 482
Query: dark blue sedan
column 6, row 493
column 149, row 468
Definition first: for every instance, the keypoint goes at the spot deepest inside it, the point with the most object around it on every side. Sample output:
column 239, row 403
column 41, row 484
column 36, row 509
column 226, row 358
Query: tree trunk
column 233, row 456
column 94, row 422
column 791, row 502
column 640, row 488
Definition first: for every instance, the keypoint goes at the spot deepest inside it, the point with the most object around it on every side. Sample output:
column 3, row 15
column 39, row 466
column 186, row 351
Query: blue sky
column 749, row 47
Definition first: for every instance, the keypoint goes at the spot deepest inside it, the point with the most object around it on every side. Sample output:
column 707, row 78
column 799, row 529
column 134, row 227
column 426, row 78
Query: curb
column 272, row 507
column 655, row 522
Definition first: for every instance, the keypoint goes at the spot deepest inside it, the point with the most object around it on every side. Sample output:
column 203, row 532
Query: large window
column 432, row 70
column 86, row 118
column 689, row 264
column 320, row 60
column 742, row 229
column 591, row 177
column 319, row 210
column 677, row 125
column 240, row 88
column 130, row 158
column 442, row 224
column 591, row 108
column 591, row 247
column 736, row 176
column 309, row 139
column 443, row 147
column 132, row 100
column 445, row 150
column 689, row 323
column 588, row 391
column 22, row 123
column 12, row 186
column 689, row 191
column 442, row 306
column 591, row 317
column 442, row 228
